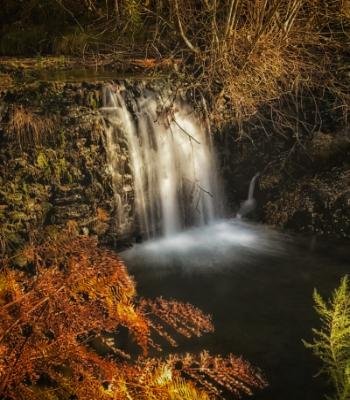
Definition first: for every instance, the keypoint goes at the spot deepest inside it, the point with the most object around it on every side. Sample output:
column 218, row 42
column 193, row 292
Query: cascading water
column 171, row 158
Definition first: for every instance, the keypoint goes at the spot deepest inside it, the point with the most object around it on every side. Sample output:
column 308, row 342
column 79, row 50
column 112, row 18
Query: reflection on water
column 258, row 285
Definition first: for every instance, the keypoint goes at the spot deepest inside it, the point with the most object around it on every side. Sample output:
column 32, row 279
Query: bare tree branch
column 182, row 32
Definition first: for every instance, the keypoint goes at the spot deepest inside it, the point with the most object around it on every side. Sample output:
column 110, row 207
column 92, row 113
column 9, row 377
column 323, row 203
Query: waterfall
column 170, row 155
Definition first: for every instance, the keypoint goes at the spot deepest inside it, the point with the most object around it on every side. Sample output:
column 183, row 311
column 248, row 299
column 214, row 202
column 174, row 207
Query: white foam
column 222, row 244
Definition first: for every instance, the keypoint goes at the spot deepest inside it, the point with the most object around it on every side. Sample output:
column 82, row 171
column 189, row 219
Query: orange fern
column 183, row 318
column 74, row 294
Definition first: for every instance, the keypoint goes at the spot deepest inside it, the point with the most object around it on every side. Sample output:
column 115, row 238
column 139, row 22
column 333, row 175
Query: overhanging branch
column 182, row 32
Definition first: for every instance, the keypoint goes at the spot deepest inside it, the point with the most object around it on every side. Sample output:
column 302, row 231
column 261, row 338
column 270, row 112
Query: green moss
column 42, row 161
column 54, row 166
column 11, row 194
column 61, row 170
column 2, row 210
column 18, row 216
column 62, row 140
column 92, row 100
column 43, row 164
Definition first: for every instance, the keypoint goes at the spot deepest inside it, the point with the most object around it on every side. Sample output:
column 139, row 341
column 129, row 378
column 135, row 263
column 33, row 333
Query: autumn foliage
column 73, row 299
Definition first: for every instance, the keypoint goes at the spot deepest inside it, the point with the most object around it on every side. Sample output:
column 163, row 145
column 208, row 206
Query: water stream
column 256, row 282
column 171, row 157
column 258, row 285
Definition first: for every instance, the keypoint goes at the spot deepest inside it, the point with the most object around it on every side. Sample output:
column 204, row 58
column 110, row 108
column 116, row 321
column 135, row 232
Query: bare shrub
column 242, row 55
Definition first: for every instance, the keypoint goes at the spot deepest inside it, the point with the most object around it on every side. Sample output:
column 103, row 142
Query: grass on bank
column 28, row 128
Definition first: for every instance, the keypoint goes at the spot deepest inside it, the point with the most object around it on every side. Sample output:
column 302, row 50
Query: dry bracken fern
column 74, row 294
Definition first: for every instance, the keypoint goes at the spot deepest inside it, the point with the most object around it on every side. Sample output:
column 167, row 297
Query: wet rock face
column 318, row 204
column 302, row 188
column 54, row 170
column 53, row 164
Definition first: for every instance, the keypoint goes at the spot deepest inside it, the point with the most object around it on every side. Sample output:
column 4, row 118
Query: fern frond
column 183, row 318
column 332, row 342
column 81, row 294
column 218, row 374
column 182, row 390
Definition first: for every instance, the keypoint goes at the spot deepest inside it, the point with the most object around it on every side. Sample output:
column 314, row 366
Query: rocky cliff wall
column 54, row 170
column 304, row 184
column 53, row 164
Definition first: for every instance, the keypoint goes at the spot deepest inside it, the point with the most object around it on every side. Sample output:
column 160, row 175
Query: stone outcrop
column 55, row 173
column 55, row 170
column 303, row 187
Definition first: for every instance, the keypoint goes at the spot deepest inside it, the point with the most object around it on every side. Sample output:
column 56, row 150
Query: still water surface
column 258, row 284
